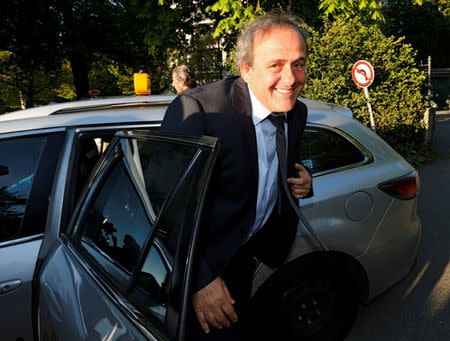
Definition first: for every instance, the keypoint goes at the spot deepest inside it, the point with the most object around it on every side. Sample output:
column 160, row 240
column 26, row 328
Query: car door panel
column 81, row 279
column 328, row 211
column 92, row 315
column 17, row 264
column 28, row 162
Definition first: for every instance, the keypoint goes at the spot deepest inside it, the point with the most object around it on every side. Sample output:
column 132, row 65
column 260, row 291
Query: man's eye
column 299, row 66
column 275, row 67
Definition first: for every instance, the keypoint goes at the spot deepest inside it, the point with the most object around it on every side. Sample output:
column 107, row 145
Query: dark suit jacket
column 223, row 109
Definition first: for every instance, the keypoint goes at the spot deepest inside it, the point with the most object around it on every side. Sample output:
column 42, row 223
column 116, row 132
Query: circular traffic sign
column 362, row 73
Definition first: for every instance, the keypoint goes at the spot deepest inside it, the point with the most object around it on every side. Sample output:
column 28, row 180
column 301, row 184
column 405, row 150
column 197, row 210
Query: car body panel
column 145, row 114
column 93, row 317
column 394, row 244
column 17, row 263
column 87, row 105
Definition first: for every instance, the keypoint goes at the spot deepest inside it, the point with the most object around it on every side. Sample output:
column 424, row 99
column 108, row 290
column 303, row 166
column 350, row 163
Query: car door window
column 323, row 150
column 116, row 224
column 160, row 279
column 27, row 166
column 121, row 217
column 138, row 221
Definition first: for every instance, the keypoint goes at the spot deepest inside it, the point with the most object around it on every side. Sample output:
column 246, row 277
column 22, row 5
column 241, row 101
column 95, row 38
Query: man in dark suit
column 246, row 213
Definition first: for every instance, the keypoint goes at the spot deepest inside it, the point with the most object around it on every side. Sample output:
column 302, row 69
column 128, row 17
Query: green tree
column 233, row 15
column 107, row 78
column 181, row 32
column 27, row 87
column 65, row 88
column 373, row 8
column 41, row 35
column 91, row 30
column 28, row 39
column 396, row 93
column 425, row 27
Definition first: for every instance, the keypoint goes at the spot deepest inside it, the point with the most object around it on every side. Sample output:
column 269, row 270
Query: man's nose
column 288, row 75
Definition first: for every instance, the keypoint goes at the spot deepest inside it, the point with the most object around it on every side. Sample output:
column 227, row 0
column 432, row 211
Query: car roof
column 131, row 109
column 149, row 110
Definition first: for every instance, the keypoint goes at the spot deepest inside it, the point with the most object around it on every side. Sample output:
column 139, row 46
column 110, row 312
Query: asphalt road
column 418, row 308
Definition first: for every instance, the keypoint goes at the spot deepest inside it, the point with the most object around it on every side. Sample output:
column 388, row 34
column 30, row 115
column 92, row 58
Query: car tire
column 317, row 305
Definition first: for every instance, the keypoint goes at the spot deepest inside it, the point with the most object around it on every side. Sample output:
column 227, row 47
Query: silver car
column 101, row 211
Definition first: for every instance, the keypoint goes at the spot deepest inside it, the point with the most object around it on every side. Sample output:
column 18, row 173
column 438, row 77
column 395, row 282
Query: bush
column 397, row 93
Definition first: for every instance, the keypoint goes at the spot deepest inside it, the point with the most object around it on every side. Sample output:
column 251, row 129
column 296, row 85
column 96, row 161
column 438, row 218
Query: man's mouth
column 286, row 91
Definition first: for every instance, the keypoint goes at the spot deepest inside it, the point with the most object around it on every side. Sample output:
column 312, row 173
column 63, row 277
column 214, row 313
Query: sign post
column 363, row 74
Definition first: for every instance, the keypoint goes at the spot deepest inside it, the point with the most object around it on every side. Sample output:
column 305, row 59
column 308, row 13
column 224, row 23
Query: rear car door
column 27, row 166
column 342, row 208
column 122, row 268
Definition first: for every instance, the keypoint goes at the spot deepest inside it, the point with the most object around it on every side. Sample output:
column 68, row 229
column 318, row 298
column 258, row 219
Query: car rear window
column 324, row 150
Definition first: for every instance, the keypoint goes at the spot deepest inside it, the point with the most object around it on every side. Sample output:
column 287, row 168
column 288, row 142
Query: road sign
column 362, row 73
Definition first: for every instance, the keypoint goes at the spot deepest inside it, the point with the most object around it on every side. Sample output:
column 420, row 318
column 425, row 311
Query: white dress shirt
column 267, row 163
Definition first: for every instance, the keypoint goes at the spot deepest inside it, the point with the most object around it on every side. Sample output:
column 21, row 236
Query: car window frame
column 75, row 133
column 368, row 157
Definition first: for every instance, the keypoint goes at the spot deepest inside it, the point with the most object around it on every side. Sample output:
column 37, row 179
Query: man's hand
column 300, row 186
column 213, row 305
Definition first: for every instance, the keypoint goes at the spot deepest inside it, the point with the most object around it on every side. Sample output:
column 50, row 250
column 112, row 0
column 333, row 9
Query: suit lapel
column 240, row 100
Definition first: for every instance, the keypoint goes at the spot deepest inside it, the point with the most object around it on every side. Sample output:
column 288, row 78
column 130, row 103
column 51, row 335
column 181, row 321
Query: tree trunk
column 29, row 92
column 80, row 70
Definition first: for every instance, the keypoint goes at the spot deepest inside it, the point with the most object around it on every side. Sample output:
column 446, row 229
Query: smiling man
column 247, row 213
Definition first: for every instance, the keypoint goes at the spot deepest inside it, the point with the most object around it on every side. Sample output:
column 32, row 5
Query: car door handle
column 9, row 286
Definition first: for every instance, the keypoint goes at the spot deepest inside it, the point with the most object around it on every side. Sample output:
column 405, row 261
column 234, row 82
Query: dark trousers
column 271, row 245
column 238, row 277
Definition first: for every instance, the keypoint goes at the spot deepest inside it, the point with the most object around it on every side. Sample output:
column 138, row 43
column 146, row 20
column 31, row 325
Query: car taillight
column 403, row 188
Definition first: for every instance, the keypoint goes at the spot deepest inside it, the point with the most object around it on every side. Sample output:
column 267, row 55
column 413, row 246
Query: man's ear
column 246, row 71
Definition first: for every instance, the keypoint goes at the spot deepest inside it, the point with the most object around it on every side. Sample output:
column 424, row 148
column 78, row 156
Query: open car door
column 122, row 269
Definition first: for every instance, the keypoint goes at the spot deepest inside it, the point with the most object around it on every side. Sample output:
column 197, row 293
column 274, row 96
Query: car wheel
column 307, row 308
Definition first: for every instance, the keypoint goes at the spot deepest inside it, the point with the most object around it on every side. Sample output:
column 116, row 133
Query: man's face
column 278, row 73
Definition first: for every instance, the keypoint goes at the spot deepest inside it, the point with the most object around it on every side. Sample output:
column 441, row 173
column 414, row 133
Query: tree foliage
column 425, row 27
column 369, row 8
column 31, row 85
column 396, row 93
column 91, row 30
column 235, row 14
column 373, row 8
column 29, row 61
column 42, row 34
